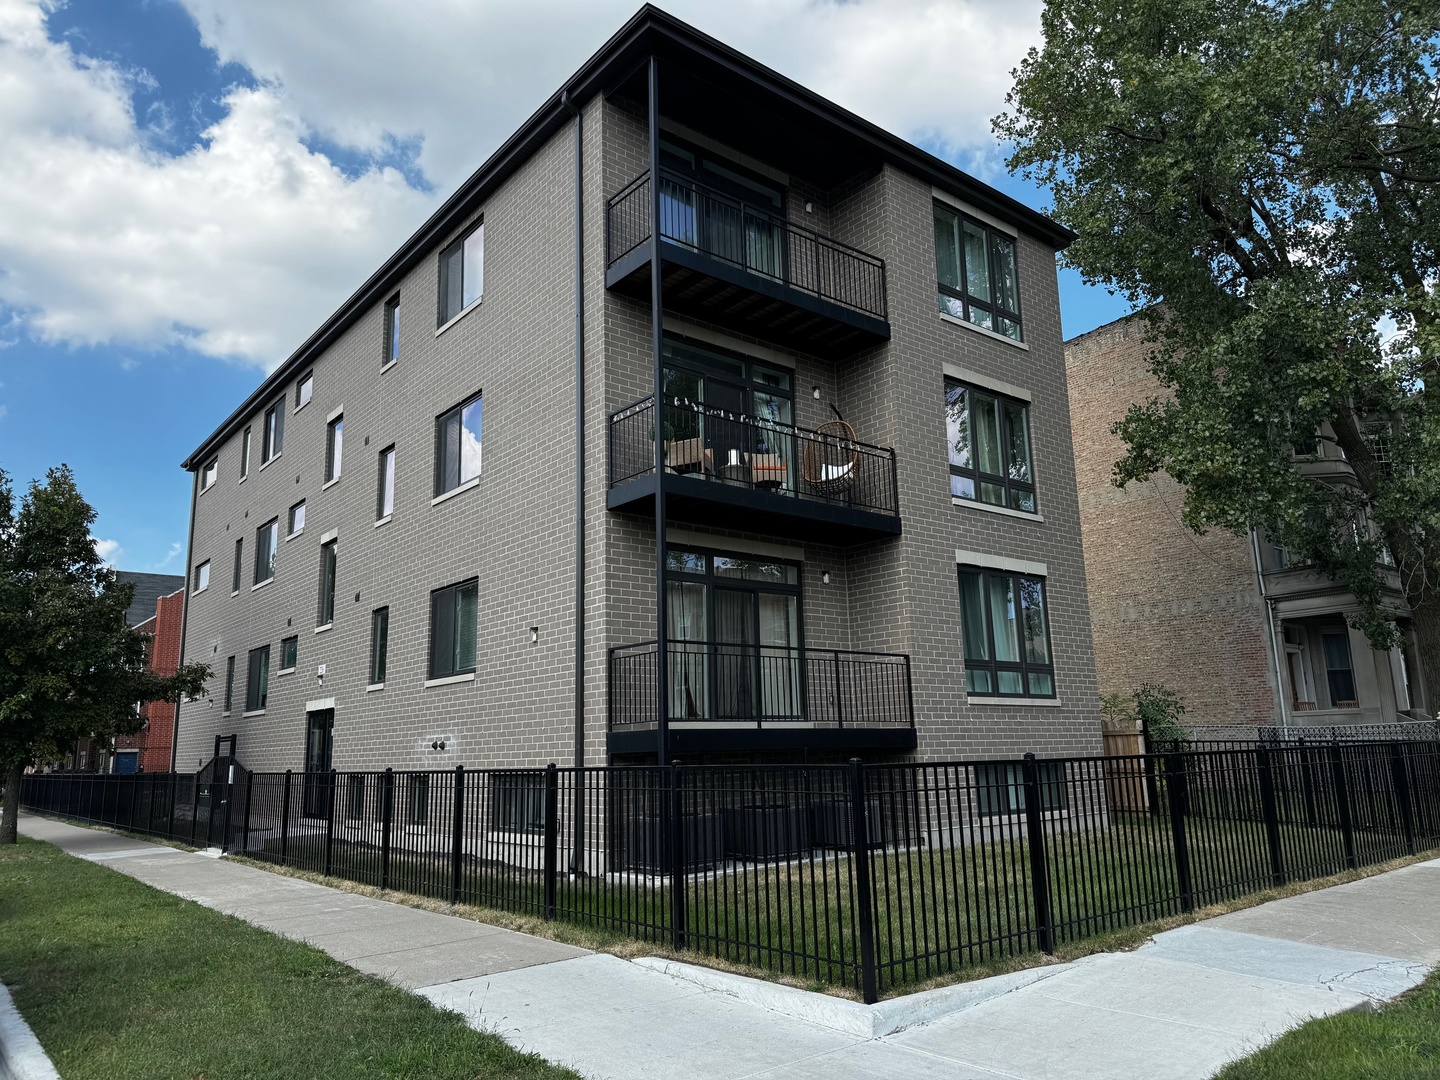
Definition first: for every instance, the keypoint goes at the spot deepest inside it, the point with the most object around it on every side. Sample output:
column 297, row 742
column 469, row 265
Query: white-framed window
column 462, row 274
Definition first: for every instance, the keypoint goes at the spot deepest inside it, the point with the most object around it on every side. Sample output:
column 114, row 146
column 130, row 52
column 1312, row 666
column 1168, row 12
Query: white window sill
column 298, row 532
column 451, row 680
column 383, row 521
column 329, row 484
column 322, row 629
column 225, row 713
column 474, row 481
column 388, row 365
column 261, row 584
column 203, row 490
column 982, row 331
column 975, row 504
column 374, row 686
column 299, row 407
column 446, row 326
column 271, row 460
column 1026, row 702
column 285, row 671
column 254, row 712
column 234, row 592
column 197, row 592
column 243, row 479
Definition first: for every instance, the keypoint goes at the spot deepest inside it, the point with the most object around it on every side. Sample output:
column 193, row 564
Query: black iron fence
column 874, row 876
column 745, row 451
column 762, row 685
column 701, row 219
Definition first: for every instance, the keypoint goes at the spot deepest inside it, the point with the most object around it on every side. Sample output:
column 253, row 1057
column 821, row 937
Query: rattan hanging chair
column 830, row 465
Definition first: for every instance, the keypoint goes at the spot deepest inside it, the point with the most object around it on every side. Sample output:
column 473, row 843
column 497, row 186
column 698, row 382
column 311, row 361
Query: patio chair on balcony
column 769, row 471
column 686, row 455
column 830, row 464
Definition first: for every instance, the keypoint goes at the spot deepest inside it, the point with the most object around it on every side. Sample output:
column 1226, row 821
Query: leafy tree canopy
column 1262, row 178
column 70, row 667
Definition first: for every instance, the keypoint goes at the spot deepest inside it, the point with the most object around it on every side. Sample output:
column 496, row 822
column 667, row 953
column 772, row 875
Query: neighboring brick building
column 1193, row 612
column 149, row 750
column 368, row 595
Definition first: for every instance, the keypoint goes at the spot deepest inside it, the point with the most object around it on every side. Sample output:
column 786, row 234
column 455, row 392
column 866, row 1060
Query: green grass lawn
column 1400, row 1042
column 121, row 980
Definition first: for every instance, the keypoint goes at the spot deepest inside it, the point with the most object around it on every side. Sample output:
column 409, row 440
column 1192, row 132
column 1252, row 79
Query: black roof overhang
column 706, row 84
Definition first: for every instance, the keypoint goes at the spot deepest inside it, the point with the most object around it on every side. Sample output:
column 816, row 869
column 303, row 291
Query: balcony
column 741, row 267
column 754, row 697
column 785, row 480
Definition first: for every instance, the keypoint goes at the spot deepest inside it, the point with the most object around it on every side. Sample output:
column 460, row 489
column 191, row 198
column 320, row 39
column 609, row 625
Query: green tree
column 1262, row 179
column 70, row 667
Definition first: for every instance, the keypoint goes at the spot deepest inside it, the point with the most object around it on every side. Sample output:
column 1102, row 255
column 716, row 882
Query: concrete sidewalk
column 1180, row 1006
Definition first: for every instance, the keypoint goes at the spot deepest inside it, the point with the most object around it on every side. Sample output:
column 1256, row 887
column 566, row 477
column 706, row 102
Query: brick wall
column 154, row 743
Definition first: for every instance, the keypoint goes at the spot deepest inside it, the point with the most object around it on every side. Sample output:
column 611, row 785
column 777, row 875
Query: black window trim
column 379, row 644
column 381, row 514
column 229, row 685
column 284, row 668
column 329, row 574
column 443, row 316
column 250, row 683
column 432, row 672
column 440, row 492
column 300, row 382
column 1023, row 666
column 238, row 574
column 270, row 449
column 273, row 524
column 963, row 295
column 974, row 473
column 389, row 352
column 334, row 460
column 1005, row 778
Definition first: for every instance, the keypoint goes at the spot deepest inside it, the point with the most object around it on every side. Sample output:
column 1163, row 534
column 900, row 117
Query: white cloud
column 107, row 550
column 241, row 246
column 170, row 556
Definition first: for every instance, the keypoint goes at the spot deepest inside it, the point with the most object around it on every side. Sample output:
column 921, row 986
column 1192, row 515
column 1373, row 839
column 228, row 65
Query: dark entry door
column 319, row 729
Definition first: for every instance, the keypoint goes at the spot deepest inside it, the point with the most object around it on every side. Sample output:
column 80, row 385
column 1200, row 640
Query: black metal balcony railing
column 702, row 220
column 768, row 686
column 781, row 459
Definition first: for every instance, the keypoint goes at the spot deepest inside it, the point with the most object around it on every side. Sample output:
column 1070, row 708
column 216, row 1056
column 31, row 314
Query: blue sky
column 193, row 185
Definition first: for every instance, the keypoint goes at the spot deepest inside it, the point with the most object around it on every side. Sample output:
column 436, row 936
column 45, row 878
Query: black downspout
column 577, row 859
column 662, row 724
column 185, row 614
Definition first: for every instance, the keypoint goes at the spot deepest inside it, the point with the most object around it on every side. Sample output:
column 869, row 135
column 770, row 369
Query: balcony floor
column 730, row 506
column 705, row 287
column 691, row 739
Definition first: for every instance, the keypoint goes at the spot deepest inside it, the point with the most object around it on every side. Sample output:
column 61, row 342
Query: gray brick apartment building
column 429, row 538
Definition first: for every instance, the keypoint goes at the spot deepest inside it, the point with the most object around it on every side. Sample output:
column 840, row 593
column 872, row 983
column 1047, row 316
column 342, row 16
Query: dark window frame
column 443, row 472
column 307, row 379
column 438, row 597
column 969, row 302
column 245, row 453
column 273, row 433
column 257, row 691
column 1000, row 788
column 355, row 796
column 417, row 799
column 379, row 644
column 195, row 585
column 1014, row 489
column 290, row 527
column 229, row 683
column 391, row 345
column 273, row 527
column 443, row 309
column 291, row 645
column 380, row 511
column 334, row 448
column 239, row 570
column 211, row 469
column 329, row 571
column 517, row 802
column 1023, row 666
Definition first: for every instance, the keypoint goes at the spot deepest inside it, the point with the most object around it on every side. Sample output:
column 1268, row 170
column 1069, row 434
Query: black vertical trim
column 657, row 335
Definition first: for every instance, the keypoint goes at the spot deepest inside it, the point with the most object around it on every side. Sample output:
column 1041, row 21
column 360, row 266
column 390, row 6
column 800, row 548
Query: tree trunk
column 1425, row 613
column 10, row 806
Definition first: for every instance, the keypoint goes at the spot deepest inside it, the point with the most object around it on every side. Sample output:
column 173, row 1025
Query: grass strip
column 1400, row 1041
column 119, row 980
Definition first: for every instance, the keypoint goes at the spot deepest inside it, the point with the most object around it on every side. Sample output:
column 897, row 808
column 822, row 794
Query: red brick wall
column 1166, row 605
column 155, row 741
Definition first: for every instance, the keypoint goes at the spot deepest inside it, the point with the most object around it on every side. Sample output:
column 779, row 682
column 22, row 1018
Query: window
column 452, row 629
column 457, row 446
column 297, row 517
column 462, row 274
column 202, row 577
column 989, row 447
column 257, row 684
column 392, row 331
column 976, row 267
column 379, row 643
column 517, row 803
column 385, row 493
column 326, row 614
column 419, row 798
column 304, row 390
column 209, row 473
column 274, row 432
column 289, row 653
column 355, row 797
column 1339, row 674
column 239, row 562
column 267, row 537
column 245, row 454
column 229, row 682
column 334, row 442
column 1007, row 634
column 1000, row 788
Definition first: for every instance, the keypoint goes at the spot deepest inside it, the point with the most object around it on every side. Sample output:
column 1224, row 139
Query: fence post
column 1342, row 803
column 677, row 856
column 1175, row 787
column 245, row 825
column 1400, row 777
column 552, row 835
column 1039, row 867
column 285, row 820
column 457, row 851
column 387, row 800
column 864, row 899
column 1271, row 811
column 330, row 823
